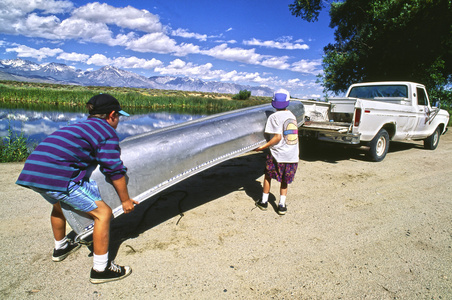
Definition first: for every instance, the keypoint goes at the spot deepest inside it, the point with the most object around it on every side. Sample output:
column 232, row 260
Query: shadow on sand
column 334, row 153
column 240, row 173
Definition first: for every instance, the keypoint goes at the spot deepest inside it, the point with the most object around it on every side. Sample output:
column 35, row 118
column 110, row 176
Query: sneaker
column 112, row 272
column 262, row 205
column 282, row 209
column 61, row 254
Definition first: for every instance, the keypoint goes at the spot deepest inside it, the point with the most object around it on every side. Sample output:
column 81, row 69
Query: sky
column 251, row 42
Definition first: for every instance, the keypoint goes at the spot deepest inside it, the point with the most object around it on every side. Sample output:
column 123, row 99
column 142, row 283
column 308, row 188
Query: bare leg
column 283, row 189
column 58, row 222
column 101, row 232
column 267, row 184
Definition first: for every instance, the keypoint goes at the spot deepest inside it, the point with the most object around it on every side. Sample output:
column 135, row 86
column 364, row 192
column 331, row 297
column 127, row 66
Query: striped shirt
column 71, row 153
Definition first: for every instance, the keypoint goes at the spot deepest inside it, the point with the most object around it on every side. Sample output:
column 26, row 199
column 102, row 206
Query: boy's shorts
column 282, row 172
column 81, row 195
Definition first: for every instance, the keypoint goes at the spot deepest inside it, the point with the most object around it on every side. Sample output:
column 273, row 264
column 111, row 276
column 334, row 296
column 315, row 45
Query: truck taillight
column 357, row 116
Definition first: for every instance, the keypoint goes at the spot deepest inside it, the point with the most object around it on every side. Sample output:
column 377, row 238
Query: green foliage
column 242, row 95
column 13, row 147
column 379, row 40
column 306, row 9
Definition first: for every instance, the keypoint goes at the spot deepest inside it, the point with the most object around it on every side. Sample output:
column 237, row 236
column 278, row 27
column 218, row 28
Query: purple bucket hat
column 281, row 99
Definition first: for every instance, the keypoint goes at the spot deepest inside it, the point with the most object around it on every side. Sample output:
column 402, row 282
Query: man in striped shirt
column 59, row 169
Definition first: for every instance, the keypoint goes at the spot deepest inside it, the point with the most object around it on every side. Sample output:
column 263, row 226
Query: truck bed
column 327, row 126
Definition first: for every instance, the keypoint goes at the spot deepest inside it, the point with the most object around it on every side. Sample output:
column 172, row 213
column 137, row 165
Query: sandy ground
column 354, row 230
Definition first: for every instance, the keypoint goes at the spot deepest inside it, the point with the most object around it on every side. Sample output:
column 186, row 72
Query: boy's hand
column 129, row 205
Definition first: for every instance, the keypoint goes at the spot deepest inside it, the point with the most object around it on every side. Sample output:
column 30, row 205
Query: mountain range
column 24, row 70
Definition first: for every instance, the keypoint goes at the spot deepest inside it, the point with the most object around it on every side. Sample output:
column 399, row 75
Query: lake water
column 36, row 125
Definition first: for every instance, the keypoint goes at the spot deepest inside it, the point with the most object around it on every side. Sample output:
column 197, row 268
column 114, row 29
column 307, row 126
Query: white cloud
column 284, row 45
column 152, row 42
column 186, row 34
column 22, row 7
column 222, row 51
column 14, row 20
column 255, row 77
column 79, row 29
column 276, row 62
column 87, row 23
column 136, row 63
column 39, row 54
column 44, row 25
column 78, row 57
column 127, row 17
column 180, row 67
column 249, row 56
column 185, row 49
column 124, row 62
column 305, row 66
column 99, row 60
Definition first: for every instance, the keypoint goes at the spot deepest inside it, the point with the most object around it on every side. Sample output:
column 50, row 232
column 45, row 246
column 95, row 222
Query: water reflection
column 36, row 125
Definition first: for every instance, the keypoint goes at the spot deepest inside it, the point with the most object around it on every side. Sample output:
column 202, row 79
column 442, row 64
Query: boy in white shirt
column 282, row 162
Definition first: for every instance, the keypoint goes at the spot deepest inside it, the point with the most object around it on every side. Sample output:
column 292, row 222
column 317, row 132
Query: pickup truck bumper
column 330, row 132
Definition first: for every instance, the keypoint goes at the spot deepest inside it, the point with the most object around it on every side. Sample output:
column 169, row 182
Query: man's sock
column 265, row 197
column 61, row 244
column 282, row 200
column 100, row 262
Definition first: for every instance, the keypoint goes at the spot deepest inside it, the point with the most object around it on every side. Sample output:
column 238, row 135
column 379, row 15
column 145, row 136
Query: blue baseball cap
column 281, row 99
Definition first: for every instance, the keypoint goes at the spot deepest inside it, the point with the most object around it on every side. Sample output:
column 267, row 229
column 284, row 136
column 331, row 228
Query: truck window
column 421, row 97
column 379, row 91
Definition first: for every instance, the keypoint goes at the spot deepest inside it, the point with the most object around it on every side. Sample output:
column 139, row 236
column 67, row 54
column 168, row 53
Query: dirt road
column 354, row 230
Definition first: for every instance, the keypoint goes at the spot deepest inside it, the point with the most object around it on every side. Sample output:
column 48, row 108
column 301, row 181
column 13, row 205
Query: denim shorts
column 81, row 195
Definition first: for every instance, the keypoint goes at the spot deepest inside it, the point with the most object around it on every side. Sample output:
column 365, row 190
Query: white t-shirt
column 284, row 122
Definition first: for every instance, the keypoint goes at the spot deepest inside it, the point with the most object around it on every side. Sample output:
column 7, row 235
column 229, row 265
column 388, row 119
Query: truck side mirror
column 436, row 103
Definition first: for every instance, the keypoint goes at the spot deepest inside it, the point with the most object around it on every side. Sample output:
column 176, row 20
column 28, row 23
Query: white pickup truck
column 374, row 113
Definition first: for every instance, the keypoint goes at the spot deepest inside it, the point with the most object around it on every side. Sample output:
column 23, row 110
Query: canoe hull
column 162, row 158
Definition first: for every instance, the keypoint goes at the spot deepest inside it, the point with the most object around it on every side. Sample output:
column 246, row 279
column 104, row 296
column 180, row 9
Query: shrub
column 242, row 95
column 13, row 147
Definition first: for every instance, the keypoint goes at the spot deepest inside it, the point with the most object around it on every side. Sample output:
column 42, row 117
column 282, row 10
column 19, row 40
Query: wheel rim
column 381, row 146
column 435, row 138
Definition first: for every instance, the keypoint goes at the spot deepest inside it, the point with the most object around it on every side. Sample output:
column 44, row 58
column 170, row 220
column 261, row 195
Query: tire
column 379, row 146
column 432, row 141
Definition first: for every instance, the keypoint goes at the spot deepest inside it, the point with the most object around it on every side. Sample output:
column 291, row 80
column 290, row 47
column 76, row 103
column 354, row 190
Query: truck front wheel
column 432, row 141
column 379, row 146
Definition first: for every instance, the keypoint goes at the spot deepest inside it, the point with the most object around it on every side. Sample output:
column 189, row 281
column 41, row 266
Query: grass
column 72, row 96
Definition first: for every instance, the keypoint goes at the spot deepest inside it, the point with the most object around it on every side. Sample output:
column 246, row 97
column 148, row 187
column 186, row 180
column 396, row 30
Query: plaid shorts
column 81, row 195
column 282, row 172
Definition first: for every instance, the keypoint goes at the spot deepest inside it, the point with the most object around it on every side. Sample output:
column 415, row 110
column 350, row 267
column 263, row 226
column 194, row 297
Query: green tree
column 386, row 40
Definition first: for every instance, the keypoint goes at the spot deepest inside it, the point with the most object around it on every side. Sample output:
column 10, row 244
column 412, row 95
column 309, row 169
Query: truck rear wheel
column 379, row 146
column 432, row 141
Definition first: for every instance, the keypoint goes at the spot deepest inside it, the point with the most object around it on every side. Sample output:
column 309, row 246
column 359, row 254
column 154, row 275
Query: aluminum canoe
column 162, row 158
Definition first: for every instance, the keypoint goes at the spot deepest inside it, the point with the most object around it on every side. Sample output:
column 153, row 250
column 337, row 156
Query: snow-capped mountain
column 61, row 72
column 24, row 70
column 54, row 71
column 190, row 84
column 111, row 76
